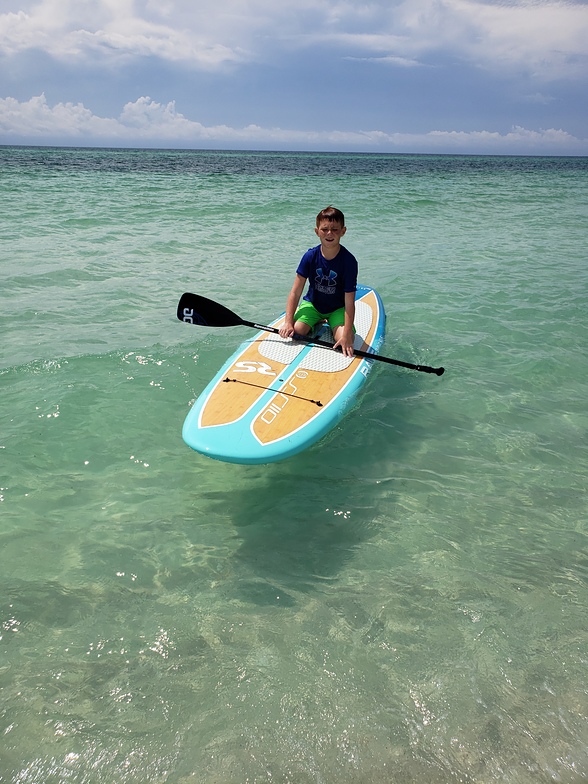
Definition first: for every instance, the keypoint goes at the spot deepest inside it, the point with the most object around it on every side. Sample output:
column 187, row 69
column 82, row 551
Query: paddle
column 194, row 309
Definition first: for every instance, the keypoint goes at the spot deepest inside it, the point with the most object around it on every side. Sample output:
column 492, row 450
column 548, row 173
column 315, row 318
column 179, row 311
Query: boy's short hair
column 331, row 214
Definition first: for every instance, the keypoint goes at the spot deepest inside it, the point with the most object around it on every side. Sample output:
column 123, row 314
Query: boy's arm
column 287, row 329
column 347, row 336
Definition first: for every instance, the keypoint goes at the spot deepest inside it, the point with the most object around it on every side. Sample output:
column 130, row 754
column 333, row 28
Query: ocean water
column 405, row 602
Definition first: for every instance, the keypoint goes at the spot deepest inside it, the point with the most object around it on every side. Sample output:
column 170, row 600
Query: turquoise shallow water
column 404, row 602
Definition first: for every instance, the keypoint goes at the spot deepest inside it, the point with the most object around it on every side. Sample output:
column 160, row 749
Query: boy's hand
column 287, row 329
column 345, row 343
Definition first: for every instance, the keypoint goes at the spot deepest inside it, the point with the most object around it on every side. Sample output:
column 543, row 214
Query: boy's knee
column 301, row 328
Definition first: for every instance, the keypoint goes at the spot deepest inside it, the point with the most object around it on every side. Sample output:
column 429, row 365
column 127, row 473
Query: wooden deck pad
column 225, row 404
column 320, row 377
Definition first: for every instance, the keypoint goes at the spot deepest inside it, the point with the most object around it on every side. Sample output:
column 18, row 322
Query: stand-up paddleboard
column 275, row 397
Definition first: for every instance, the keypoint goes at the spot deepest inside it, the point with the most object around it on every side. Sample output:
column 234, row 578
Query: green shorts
column 308, row 314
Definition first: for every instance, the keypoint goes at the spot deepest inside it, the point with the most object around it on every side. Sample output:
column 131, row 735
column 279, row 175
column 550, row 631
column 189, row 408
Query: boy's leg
column 336, row 321
column 306, row 317
column 301, row 328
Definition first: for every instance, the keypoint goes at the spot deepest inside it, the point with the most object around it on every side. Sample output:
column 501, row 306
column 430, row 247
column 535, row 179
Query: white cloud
column 147, row 123
column 548, row 38
column 35, row 119
column 67, row 29
column 539, row 98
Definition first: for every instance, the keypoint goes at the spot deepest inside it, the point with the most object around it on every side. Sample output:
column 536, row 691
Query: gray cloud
column 549, row 38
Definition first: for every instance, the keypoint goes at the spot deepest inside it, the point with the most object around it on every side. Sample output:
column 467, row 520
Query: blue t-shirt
column 328, row 280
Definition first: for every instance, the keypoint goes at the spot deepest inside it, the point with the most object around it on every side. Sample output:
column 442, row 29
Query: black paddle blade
column 195, row 309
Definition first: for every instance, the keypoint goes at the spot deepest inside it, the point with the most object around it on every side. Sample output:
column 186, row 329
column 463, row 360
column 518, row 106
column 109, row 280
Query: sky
column 392, row 76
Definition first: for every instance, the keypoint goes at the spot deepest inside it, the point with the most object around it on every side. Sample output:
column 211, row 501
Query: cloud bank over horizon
column 146, row 123
column 496, row 76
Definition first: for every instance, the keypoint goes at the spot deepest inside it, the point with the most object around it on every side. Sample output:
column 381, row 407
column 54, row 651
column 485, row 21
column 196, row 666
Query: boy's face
column 330, row 233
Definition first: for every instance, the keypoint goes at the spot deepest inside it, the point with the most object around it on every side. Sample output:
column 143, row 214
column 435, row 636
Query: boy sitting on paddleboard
column 331, row 271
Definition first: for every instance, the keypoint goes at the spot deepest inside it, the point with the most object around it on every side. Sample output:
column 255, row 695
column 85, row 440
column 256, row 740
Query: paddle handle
column 356, row 352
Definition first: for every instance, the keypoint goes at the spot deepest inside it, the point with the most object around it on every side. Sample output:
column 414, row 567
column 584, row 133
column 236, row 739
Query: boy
column 332, row 274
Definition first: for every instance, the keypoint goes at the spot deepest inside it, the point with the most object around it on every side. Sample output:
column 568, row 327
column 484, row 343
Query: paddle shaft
column 195, row 309
column 356, row 352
